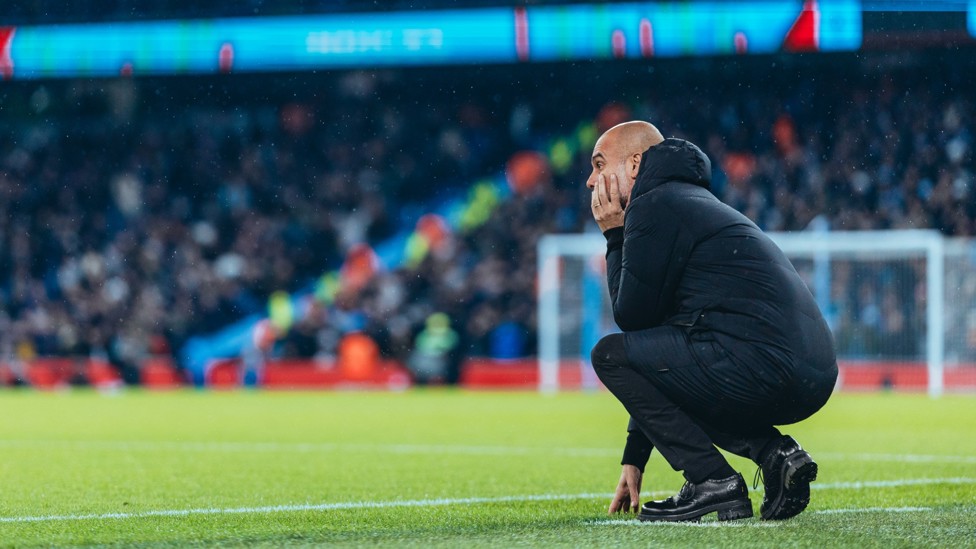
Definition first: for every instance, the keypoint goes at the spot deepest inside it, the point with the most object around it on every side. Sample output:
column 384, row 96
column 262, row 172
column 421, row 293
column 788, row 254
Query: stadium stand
column 138, row 213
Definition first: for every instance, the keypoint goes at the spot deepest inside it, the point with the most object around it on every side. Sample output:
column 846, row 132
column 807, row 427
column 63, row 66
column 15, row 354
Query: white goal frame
column 818, row 246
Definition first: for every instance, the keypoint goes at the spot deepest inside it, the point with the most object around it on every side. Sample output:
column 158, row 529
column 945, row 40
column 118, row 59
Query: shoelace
column 758, row 478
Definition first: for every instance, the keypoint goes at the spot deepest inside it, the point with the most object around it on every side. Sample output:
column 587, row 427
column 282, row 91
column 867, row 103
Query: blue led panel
column 487, row 35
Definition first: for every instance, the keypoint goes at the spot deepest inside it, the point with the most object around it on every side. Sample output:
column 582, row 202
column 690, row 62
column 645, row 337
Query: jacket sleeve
column 638, row 448
column 645, row 260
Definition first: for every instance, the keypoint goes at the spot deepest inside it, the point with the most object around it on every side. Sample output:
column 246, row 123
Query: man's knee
column 609, row 353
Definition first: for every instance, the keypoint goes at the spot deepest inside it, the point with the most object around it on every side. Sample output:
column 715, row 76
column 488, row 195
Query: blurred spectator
column 434, row 357
column 358, row 357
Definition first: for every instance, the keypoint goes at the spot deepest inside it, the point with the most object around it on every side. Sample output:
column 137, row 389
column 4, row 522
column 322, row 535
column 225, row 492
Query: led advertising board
column 486, row 35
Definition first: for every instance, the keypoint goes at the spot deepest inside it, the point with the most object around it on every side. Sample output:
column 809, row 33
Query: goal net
column 901, row 306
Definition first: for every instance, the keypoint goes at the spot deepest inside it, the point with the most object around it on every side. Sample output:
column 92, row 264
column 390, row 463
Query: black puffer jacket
column 684, row 258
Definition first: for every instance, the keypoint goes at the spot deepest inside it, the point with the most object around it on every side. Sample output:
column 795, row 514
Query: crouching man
column 721, row 341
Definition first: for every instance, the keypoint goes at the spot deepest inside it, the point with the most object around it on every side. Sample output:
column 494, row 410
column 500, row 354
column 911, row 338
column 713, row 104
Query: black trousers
column 687, row 396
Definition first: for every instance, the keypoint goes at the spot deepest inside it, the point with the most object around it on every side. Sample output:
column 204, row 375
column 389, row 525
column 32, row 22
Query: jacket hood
column 672, row 160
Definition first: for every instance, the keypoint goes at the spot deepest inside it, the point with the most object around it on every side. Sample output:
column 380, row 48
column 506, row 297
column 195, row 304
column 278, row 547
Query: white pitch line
column 858, row 485
column 872, row 510
column 686, row 524
column 444, row 502
column 901, row 458
column 754, row 524
column 303, row 447
column 439, row 502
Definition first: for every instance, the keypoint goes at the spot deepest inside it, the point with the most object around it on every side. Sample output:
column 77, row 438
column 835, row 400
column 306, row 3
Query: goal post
column 883, row 293
column 880, row 246
column 553, row 252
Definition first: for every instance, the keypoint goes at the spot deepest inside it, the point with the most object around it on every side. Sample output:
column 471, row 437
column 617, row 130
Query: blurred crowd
column 138, row 213
column 130, row 224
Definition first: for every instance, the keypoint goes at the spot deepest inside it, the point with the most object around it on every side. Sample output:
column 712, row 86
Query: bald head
column 630, row 138
column 619, row 151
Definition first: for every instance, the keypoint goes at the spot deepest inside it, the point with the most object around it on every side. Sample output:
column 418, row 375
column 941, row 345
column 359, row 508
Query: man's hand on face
column 607, row 208
column 627, row 496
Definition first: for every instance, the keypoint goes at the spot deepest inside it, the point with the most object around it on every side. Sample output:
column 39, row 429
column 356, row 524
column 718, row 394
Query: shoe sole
column 799, row 470
column 729, row 510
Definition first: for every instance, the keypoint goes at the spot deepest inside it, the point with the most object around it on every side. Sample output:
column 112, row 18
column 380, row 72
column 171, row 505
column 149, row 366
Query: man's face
column 606, row 160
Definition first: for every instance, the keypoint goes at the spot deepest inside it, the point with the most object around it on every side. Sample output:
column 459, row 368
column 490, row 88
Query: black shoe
column 729, row 497
column 787, row 472
column 658, row 505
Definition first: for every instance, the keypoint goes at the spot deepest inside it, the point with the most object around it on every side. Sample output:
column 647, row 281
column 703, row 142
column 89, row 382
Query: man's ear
column 634, row 167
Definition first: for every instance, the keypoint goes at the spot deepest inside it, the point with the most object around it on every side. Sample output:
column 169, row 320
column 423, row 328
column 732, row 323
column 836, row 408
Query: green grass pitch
column 444, row 468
